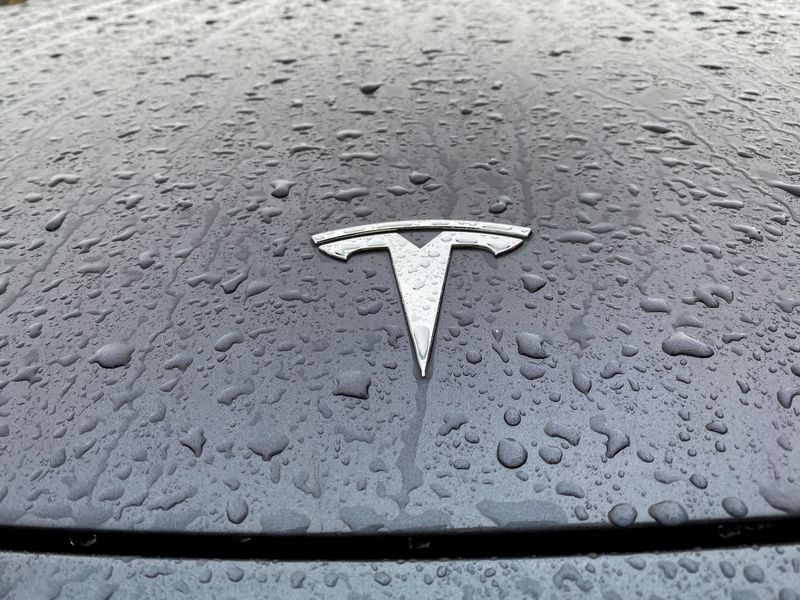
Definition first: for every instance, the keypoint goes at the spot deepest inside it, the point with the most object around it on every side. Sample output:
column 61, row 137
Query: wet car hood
column 176, row 353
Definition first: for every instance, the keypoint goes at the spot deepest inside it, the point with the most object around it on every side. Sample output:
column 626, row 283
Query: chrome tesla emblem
column 420, row 271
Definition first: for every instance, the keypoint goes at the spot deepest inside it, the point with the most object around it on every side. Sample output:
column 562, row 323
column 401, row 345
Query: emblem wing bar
column 421, row 225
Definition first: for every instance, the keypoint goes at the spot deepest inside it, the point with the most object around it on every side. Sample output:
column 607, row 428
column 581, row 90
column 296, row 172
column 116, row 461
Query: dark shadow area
column 456, row 544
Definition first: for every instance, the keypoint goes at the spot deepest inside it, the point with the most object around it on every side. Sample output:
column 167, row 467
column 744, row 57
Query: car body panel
column 769, row 572
column 178, row 355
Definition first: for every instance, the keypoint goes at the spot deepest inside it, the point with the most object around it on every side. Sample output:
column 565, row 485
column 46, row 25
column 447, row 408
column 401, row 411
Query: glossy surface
column 740, row 574
column 176, row 354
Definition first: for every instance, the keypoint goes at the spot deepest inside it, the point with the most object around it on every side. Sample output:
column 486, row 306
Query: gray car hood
column 176, row 354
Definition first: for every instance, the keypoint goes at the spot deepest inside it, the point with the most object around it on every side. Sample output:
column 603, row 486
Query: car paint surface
column 177, row 355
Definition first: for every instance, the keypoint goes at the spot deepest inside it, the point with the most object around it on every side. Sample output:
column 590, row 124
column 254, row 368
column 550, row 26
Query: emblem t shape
column 421, row 271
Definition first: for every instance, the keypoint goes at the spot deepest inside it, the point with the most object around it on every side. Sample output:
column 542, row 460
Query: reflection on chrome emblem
column 420, row 272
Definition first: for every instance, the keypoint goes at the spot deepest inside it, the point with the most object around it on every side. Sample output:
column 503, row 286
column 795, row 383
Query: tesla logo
column 421, row 271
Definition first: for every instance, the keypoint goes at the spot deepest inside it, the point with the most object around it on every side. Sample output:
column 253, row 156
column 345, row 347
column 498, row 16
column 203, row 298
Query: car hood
column 178, row 354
